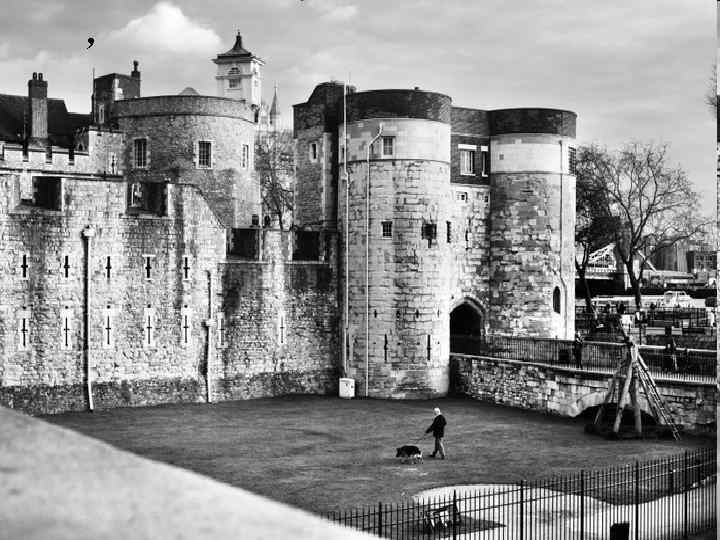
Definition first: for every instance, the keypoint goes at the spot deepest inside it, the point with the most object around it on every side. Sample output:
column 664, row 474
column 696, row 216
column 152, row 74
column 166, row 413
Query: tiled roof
column 61, row 123
column 237, row 49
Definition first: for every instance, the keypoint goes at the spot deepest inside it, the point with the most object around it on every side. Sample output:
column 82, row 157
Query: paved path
column 57, row 484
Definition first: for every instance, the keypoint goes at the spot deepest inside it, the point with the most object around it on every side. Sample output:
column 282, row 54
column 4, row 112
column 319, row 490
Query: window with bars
column 205, row 154
column 467, row 162
column 388, row 146
column 572, row 160
column 140, row 153
column 387, row 229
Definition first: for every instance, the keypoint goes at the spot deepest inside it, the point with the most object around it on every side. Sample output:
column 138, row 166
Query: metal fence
column 684, row 364
column 663, row 499
column 690, row 318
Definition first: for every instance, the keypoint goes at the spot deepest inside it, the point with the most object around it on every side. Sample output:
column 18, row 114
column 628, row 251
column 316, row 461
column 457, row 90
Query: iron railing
column 662, row 499
column 658, row 317
column 684, row 364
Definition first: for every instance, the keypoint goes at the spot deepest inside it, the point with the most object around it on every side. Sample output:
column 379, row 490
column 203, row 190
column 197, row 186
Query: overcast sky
column 632, row 70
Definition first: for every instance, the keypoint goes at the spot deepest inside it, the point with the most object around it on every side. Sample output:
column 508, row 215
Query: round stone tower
column 403, row 350
column 532, row 222
column 202, row 140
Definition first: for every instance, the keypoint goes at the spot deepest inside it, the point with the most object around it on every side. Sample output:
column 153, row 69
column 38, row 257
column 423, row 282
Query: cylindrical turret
column 405, row 278
column 532, row 222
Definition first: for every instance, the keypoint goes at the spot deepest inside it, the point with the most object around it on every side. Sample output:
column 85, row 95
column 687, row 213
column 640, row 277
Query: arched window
column 556, row 300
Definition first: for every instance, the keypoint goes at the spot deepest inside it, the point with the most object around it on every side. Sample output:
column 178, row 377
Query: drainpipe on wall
column 562, row 280
column 367, row 263
column 88, row 233
column 346, row 331
column 209, row 324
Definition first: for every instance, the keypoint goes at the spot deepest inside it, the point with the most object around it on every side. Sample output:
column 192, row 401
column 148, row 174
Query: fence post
column 582, row 504
column 685, row 496
column 454, row 515
column 637, row 499
column 380, row 519
column 522, row 523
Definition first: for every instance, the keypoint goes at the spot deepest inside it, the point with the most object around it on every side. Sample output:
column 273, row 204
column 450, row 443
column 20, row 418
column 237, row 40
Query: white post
column 88, row 233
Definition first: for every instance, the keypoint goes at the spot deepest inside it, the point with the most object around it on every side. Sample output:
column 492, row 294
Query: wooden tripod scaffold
column 631, row 375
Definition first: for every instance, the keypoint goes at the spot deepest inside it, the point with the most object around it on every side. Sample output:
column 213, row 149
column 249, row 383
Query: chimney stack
column 38, row 109
column 135, row 75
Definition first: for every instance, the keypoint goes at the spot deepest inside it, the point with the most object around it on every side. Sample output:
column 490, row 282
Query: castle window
column 221, row 330
column 388, row 146
column 186, row 268
column 66, row 329
column 148, row 266
column 461, row 196
column 46, row 193
column 484, row 161
column 140, row 153
column 147, row 197
column 112, row 163
column 245, row 156
column 23, row 330
column 467, row 162
column 448, row 231
column 387, row 229
column 108, row 331
column 205, row 154
column 307, row 246
column 572, row 158
column 243, row 244
column 429, row 232
column 108, row 268
column 101, row 113
column 185, row 325
column 149, row 327
column 313, row 152
column 24, row 267
column 281, row 329
column 556, row 300
column 66, row 266
column 234, row 80
column 48, row 154
column 467, row 159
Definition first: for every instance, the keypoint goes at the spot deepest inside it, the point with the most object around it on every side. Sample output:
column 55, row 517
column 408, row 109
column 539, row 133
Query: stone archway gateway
column 467, row 326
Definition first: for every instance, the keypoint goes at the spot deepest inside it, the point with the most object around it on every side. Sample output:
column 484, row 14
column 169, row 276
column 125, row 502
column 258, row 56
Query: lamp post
column 367, row 263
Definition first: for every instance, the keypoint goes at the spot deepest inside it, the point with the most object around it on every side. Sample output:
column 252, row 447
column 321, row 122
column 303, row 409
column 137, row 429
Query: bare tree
column 711, row 95
column 274, row 166
column 653, row 205
column 593, row 226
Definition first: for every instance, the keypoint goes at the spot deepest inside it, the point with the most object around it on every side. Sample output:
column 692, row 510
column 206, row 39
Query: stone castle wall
column 187, row 254
column 567, row 392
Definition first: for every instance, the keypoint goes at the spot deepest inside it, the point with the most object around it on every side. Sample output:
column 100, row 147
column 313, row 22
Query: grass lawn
column 324, row 453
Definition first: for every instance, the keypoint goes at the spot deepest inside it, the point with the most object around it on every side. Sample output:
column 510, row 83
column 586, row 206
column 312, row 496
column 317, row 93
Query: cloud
column 332, row 11
column 165, row 28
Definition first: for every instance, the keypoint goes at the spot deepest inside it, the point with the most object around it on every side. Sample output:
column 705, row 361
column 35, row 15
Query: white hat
column 437, row 410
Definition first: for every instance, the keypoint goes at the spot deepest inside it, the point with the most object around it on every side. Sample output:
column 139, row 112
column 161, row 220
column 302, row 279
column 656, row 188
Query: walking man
column 438, row 431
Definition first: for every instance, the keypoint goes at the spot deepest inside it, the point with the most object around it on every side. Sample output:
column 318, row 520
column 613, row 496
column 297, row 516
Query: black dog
column 409, row 453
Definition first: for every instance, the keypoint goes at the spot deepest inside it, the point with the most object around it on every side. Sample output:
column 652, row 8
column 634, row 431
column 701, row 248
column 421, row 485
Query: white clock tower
column 239, row 74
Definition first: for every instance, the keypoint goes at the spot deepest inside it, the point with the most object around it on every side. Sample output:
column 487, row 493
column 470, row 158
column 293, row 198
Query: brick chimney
column 37, row 109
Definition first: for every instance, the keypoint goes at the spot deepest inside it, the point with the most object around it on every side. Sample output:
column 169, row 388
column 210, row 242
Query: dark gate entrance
column 466, row 328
